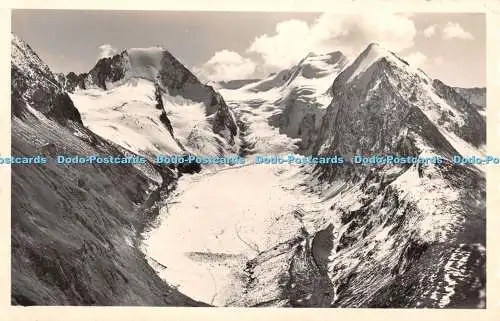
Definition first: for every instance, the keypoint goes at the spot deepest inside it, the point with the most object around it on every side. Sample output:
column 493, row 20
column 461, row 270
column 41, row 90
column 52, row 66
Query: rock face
column 70, row 81
column 47, row 96
column 475, row 96
column 75, row 228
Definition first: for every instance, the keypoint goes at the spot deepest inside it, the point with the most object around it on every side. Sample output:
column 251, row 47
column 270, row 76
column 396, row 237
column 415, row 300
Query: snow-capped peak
column 313, row 67
column 373, row 53
column 329, row 58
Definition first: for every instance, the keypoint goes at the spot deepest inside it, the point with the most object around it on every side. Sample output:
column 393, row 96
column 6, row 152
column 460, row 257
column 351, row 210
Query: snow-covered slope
column 126, row 114
column 148, row 102
column 235, row 84
column 315, row 72
column 294, row 100
column 75, row 227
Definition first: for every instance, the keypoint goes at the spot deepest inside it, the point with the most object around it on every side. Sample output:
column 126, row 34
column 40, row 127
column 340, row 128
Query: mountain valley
column 251, row 235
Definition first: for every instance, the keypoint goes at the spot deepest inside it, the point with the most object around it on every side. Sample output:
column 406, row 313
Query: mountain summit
column 146, row 94
column 383, row 89
column 372, row 54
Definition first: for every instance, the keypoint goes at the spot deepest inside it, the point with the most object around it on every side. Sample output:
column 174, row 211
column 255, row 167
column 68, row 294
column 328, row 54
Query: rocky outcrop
column 300, row 118
column 71, row 81
column 475, row 96
column 106, row 70
column 47, row 97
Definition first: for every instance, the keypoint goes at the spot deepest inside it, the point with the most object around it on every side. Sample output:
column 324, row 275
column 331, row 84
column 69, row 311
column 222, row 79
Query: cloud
column 350, row 34
column 430, row 31
column 226, row 65
column 293, row 39
column 453, row 30
column 290, row 44
column 106, row 51
column 416, row 58
column 438, row 60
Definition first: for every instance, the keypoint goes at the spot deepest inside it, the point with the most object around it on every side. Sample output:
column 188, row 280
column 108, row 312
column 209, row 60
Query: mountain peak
column 328, row 58
column 373, row 45
column 368, row 57
column 375, row 49
column 25, row 58
column 372, row 54
column 154, row 63
column 146, row 62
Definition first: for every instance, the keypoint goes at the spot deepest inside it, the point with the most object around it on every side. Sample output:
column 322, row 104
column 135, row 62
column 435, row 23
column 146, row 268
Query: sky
column 234, row 45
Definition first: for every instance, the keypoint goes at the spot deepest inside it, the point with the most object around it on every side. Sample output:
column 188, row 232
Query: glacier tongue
column 246, row 241
column 207, row 260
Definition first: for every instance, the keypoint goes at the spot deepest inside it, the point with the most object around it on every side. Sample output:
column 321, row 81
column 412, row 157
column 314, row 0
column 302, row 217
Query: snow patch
column 437, row 214
column 127, row 115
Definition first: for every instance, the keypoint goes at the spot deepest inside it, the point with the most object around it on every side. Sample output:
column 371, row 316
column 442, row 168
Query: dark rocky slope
column 75, row 227
column 475, row 96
